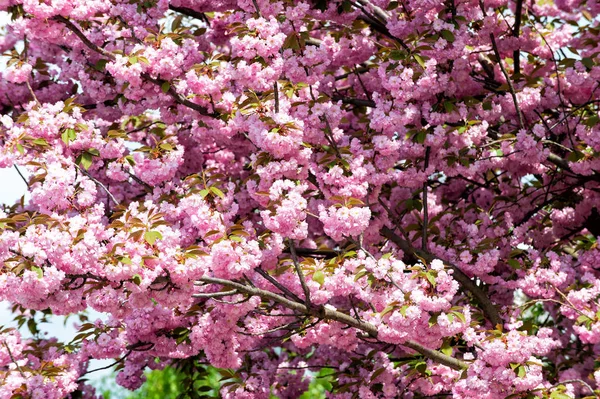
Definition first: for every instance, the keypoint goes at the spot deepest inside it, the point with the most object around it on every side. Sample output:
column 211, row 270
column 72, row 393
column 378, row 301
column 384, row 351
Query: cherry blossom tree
column 403, row 193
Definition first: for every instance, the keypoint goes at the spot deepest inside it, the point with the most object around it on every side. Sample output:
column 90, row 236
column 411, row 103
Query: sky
column 12, row 188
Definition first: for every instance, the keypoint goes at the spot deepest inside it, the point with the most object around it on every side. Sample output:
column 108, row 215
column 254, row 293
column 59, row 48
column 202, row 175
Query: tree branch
column 14, row 360
column 355, row 101
column 189, row 12
column 516, row 32
column 329, row 314
column 508, row 81
column 277, row 284
column 99, row 183
column 425, row 211
column 209, row 295
column 159, row 82
column 21, row 174
column 299, row 272
column 327, row 253
column 466, row 283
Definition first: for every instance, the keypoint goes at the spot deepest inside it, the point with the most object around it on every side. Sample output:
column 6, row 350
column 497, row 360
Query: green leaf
column 68, row 135
column 433, row 319
column 559, row 393
column 449, row 106
column 392, row 6
column 40, row 142
column 236, row 238
column 217, row 192
column 397, row 55
column 130, row 160
column 166, row 146
column 377, row 373
column 521, row 372
column 592, row 121
column 431, row 278
column 125, row 260
column 20, row 149
column 137, row 279
column 100, row 65
column 151, row 236
column 588, row 62
column 165, row 87
column 176, row 24
column 514, row 263
column 460, row 316
column 447, row 35
column 319, row 277
column 38, row 270
column 420, row 60
column 85, row 160
column 446, row 349
column 133, row 59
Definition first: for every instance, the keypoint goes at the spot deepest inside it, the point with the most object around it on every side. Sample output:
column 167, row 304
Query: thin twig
column 572, row 381
column 112, row 364
column 513, row 93
column 22, row 177
column 425, row 211
column 159, row 82
column 275, row 329
column 33, row 93
column 73, row 28
column 99, row 183
column 13, row 360
column 299, row 272
column 257, row 8
column 277, row 284
column 140, row 181
column 465, row 282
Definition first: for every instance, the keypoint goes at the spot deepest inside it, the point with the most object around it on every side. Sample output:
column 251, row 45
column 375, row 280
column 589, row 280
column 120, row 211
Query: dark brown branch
column 276, row 96
column 112, row 364
column 22, row 177
column 513, row 93
column 159, row 82
column 189, row 12
column 516, row 32
column 71, row 26
column 329, row 314
column 257, row 8
column 14, row 360
column 140, row 181
column 355, row 101
column 299, row 272
column 558, row 161
column 277, row 284
column 425, row 210
column 179, row 98
column 309, row 252
column 357, row 70
column 99, row 183
column 465, row 282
